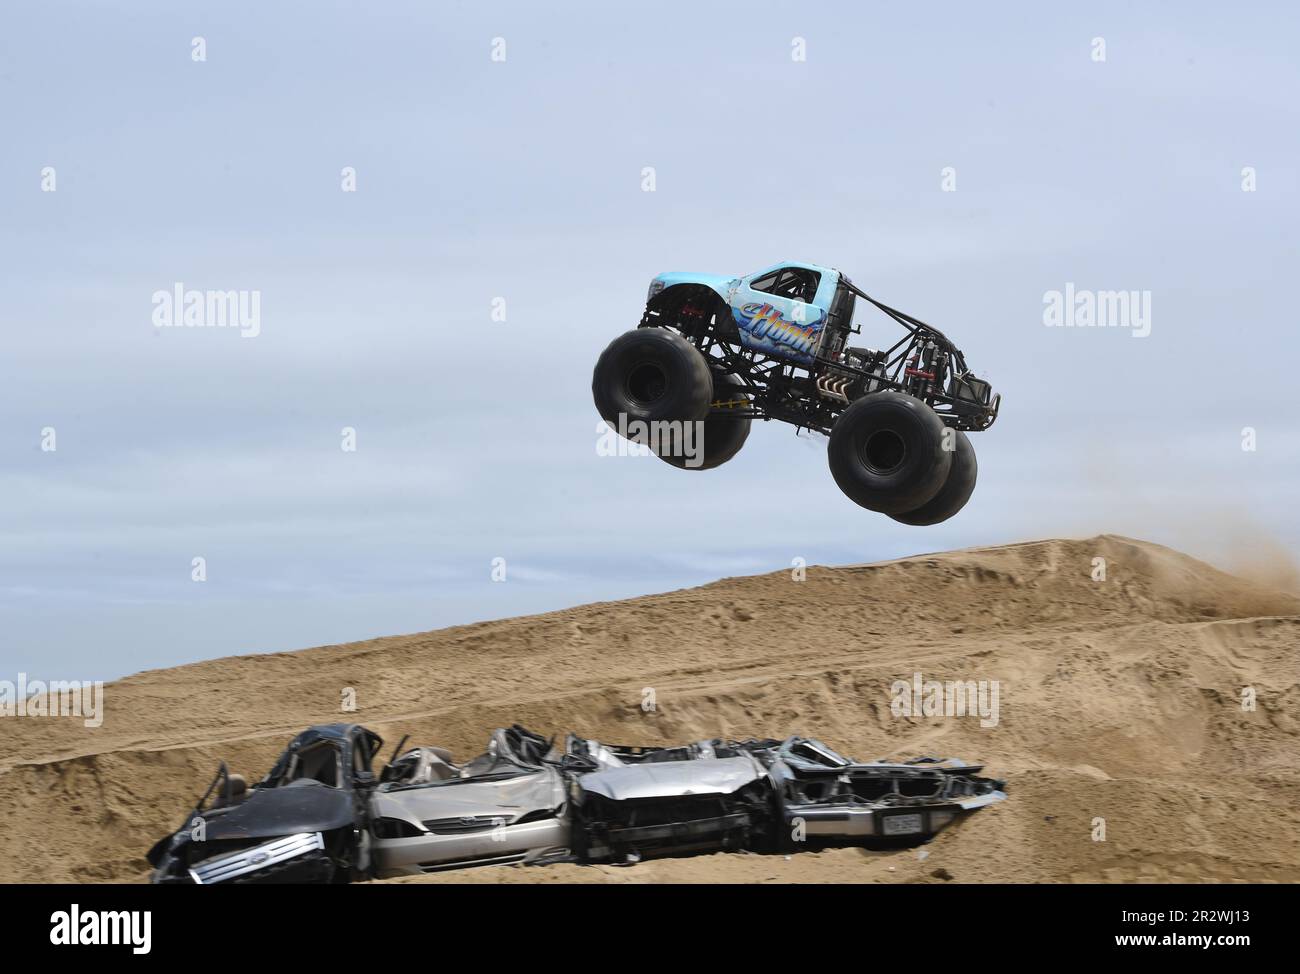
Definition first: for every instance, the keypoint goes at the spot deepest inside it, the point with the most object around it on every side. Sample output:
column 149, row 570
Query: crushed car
column 306, row 821
column 827, row 797
column 506, row 806
column 713, row 352
column 322, row 814
column 634, row 802
column 637, row 802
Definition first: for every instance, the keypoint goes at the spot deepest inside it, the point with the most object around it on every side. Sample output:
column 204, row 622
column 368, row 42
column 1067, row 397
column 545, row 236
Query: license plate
column 902, row 824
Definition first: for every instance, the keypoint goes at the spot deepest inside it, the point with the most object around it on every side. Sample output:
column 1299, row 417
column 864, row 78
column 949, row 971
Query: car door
column 780, row 311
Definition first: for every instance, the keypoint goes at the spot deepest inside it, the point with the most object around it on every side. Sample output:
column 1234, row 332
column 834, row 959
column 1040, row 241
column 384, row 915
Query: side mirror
column 238, row 786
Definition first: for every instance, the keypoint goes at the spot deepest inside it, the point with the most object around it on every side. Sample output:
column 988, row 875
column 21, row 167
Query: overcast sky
column 521, row 179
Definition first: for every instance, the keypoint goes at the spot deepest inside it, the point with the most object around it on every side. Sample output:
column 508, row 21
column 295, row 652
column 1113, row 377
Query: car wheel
column 954, row 493
column 651, row 375
column 721, row 433
column 886, row 452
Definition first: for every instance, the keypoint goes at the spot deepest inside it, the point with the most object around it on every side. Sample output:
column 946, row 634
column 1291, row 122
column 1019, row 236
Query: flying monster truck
column 722, row 351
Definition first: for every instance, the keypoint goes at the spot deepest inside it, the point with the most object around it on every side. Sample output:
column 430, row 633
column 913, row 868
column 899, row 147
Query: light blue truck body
column 774, row 325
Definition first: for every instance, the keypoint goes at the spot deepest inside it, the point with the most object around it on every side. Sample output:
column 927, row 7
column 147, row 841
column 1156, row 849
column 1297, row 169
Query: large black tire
column 723, row 433
column 954, row 493
column 886, row 452
column 651, row 375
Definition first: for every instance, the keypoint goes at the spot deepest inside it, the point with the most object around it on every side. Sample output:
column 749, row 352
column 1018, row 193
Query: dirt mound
column 1121, row 669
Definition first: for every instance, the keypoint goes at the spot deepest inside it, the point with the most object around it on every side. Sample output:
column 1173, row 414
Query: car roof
column 331, row 732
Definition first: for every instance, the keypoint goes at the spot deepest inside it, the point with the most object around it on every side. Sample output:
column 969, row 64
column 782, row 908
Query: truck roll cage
column 924, row 363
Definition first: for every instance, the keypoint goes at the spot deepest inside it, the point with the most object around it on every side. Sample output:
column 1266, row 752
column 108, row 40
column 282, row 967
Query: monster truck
column 713, row 353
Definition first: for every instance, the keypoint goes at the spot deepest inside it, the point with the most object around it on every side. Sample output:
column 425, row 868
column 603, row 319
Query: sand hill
column 1119, row 699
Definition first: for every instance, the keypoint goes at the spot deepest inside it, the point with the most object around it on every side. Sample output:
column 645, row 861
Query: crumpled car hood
column 716, row 776
column 305, row 807
column 510, row 798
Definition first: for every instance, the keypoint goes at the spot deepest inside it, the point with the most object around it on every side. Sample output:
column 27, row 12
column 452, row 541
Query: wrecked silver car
column 505, row 806
column 827, row 797
column 635, row 802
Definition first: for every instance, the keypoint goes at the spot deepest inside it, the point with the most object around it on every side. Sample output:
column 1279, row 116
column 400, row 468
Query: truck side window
column 796, row 283
column 799, row 284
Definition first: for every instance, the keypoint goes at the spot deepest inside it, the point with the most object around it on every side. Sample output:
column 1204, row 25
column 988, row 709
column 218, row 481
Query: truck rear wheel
column 651, row 375
column 954, row 493
column 722, row 433
column 886, row 453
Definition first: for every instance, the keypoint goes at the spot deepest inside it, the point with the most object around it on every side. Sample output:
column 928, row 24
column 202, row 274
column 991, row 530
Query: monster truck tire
column 651, row 374
column 723, row 433
column 954, row 493
column 886, row 453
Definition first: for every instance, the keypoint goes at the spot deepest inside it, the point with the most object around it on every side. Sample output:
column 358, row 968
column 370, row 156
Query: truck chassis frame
column 924, row 363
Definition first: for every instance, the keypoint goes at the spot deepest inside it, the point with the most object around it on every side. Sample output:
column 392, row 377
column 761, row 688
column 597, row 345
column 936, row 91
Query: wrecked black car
column 307, row 821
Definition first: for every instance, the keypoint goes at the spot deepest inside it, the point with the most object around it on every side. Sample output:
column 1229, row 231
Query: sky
column 958, row 161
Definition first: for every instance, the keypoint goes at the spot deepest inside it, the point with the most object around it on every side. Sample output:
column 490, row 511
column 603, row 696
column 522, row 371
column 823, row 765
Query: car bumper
column 669, row 838
column 509, row 844
column 895, row 822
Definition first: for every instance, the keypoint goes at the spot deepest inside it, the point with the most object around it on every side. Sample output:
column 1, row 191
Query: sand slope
column 1119, row 699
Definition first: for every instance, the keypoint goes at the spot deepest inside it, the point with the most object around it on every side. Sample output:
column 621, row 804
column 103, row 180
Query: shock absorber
column 919, row 371
column 939, row 369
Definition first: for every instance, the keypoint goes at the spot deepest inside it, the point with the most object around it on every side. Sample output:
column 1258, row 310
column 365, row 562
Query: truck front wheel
column 651, row 375
column 886, row 453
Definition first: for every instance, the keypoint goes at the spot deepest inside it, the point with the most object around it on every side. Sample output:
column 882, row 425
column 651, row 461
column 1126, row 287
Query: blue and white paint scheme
column 782, row 327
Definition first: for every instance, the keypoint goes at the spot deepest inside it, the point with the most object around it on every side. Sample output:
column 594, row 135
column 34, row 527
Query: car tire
column 954, row 493
column 651, row 375
column 722, row 432
column 886, row 452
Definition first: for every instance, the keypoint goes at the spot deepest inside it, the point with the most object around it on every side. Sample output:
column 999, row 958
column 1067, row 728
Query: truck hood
column 721, row 283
